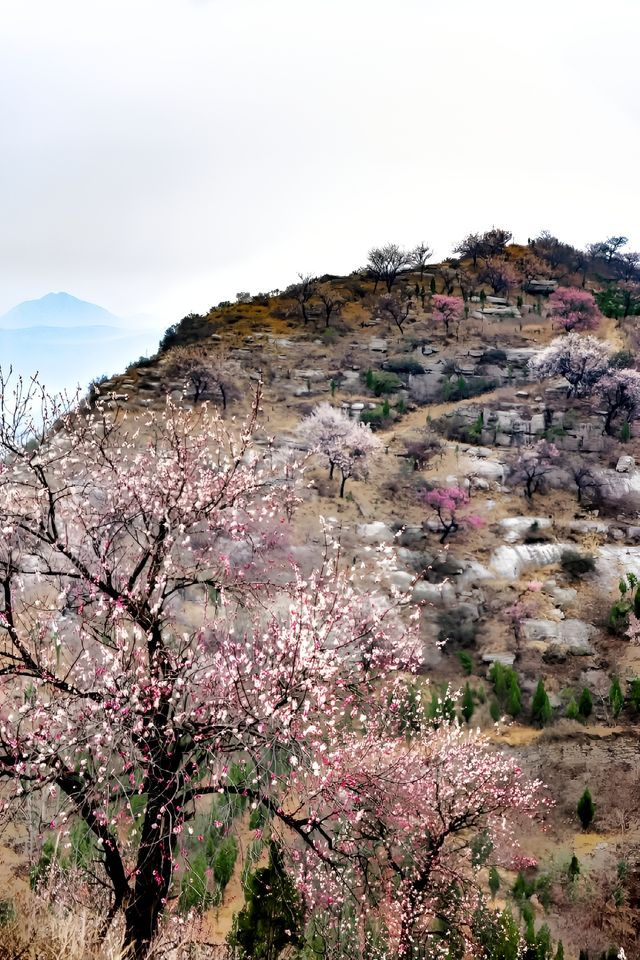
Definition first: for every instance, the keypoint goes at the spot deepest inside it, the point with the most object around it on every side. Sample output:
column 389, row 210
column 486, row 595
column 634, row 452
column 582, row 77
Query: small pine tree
column 494, row 881
column 465, row 662
column 616, row 697
column 519, row 889
column 541, row 712
column 494, row 710
column 560, row 951
column 585, row 704
column 634, row 694
column 584, row 955
column 514, row 697
column 468, row 705
column 572, row 712
column 573, row 870
column 586, row 809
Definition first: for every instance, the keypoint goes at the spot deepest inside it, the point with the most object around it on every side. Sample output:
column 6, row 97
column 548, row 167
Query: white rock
column 376, row 530
column 516, row 527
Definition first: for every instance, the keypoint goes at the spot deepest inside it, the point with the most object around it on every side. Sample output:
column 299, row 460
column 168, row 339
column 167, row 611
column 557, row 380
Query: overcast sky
column 160, row 155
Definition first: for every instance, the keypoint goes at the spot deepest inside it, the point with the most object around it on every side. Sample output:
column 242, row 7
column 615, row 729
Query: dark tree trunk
column 344, row 480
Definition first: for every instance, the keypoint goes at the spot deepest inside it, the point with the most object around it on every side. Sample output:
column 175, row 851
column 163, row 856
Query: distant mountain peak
column 57, row 310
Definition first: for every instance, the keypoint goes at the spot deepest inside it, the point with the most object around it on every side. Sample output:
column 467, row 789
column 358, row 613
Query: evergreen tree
column 572, row 712
column 560, row 951
column 467, row 703
column 616, row 697
column 271, row 918
column 586, row 809
column 585, row 704
column 574, row 868
column 494, row 881
column 541, row 712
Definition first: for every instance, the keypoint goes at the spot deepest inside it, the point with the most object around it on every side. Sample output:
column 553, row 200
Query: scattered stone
column 500, row 656
column 378, row 345
column 625, row 464
column 377, row 530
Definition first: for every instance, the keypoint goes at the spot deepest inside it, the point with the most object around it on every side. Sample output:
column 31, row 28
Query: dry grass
column 43, row 931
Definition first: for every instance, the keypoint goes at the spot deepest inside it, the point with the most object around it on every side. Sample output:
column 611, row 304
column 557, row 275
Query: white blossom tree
column 346, row 443
column 582, row 360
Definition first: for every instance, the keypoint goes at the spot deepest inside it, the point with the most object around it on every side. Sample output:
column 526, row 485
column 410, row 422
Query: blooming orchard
column 158, row 648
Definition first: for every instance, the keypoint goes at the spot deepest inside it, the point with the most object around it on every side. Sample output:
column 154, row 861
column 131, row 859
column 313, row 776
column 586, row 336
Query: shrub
column 576, row 565
column 378, row 417
column 629, row 602
column 494, row 881
column 622, row 360
column 573, row 870
column 404, row 365
column 541, row 712
column 382, row 381
column 586, row 809
column 493, row 356
column 462, row 389
column 456, row 627
column 634, row 694
column 494, row 711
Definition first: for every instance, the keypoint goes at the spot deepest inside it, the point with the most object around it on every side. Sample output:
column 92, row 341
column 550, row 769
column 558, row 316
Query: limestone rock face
column 559, row 640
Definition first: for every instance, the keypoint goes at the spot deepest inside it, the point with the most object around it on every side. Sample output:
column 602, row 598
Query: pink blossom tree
column 448, row 310
column 571, row 308
column 582, row 360
column 158, row 650
column 619, row 393
column 531, row 467
column 447, row 503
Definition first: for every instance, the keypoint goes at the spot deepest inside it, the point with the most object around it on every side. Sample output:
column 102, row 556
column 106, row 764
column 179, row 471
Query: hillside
column 521, row 588
column 504, row 592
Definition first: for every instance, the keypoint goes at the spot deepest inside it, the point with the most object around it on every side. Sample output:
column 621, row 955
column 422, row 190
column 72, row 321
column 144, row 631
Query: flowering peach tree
column 447, row 311
column 447, row 503
column 159, row 650
column 572, row 308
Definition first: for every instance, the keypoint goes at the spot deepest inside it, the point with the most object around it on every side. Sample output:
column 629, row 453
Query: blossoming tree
column 157, row 651
column 447, row 504
column 347, row 444
column 572, row 308
column 448, row 310
column 581, row 360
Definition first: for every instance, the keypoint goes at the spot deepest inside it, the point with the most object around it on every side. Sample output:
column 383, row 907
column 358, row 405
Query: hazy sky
column 160, row 155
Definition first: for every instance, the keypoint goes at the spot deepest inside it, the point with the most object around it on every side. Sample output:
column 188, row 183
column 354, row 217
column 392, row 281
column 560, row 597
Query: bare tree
column 385, row 263
column 303, row 292
column 627, row 265
column 419, row 257
column 470, row 246
column 331, row 303
column 205, row 375
column 587, row 486
column 449, row 277
column 395, row 309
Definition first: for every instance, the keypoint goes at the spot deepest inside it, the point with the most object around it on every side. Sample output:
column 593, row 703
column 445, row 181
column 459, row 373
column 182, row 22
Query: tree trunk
column 344, row 480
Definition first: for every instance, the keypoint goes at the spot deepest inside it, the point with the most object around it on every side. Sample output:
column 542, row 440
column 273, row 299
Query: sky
column 157, row 156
